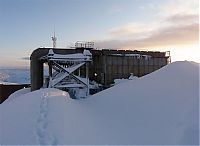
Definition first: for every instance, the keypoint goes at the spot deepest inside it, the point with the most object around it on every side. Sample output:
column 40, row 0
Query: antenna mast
column 54, row 39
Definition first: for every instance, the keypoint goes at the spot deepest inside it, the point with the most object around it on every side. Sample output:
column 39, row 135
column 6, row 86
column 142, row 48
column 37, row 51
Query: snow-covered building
column 106, row 64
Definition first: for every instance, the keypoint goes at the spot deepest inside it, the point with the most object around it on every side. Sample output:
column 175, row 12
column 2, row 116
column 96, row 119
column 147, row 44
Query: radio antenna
column 54, row 39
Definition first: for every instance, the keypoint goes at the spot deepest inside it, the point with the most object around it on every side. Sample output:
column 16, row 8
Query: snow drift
column 157, row 109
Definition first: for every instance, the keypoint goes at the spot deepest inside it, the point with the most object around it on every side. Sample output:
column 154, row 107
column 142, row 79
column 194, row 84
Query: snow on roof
column 81, row 56
column 50, row 52
column 158, row 109
column 133, row 55
column 87, row 53
column 70, row 56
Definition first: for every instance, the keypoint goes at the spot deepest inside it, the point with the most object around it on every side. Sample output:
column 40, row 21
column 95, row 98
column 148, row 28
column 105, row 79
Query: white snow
column 24, row 119
column 87, row 53
column 18, row 93
column 161, row 108
column 81, row 56
column 50, row 53
column 138, row 56
column 69, row 56
column 132, row 77
column 118, row 81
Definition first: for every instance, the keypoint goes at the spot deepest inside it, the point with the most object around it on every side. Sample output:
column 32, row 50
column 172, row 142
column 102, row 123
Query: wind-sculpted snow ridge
column 25, row 120
column 161, row 108
column 18, row 94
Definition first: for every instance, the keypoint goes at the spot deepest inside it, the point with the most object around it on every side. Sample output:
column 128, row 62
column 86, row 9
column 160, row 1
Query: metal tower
column 62, row 72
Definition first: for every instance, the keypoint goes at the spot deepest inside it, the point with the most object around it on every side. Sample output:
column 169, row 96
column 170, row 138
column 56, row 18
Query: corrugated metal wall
column 109, row 66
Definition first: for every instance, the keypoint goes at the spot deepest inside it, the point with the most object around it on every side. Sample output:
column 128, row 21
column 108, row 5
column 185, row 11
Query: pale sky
column 161, row 25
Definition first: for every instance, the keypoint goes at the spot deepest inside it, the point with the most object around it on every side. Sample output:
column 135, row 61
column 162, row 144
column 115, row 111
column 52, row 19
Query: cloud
column 25, row 58
column 129, row 30
column 179, row 35
column 112, row 44
column 179, row 7
column 169, row 36
column 183, row 19
column 177, row 23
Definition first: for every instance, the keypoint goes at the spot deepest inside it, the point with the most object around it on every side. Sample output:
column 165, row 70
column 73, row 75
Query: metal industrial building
column 106, row 64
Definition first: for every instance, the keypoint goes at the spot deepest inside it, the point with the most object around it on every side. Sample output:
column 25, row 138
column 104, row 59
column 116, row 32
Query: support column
column 36, row 74
column 104, row 69
column 50, row 73
column 87, row 78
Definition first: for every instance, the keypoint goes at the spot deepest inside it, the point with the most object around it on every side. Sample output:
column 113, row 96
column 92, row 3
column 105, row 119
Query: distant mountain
column 15, row 75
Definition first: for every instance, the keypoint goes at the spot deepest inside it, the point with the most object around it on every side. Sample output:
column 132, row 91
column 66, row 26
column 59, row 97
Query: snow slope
column 24, row 119
column 157, row 109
